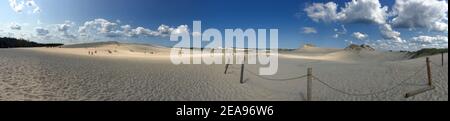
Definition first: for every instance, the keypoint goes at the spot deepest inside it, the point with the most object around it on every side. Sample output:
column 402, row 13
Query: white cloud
column 113, row 34
column 65, row 28
column 430, row 39
column 415, row 43
column 388, row 33
column 15, row 26
column 41, row 31
column 97, row 29
column 20, row 5
column 126, row 30
column 164, row 29
column 98, row 26
column 356, row 11
column 111, row 29
column 430, row 14
column 322, row 12
column 141, row 31
column 32, row 4
column 360, row 36
column 365, row 11
column 309, row 30
column 16, row 6
column 389, row 45
column 105, row 26
column 181, row 29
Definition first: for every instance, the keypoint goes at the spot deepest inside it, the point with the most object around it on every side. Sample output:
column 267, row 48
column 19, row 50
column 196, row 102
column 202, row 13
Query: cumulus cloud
column 355, row 11
column 15, row 26
column 112, row 29
column 32, row 4
column 141, row 31
column 322, row 12
column 365, row 11
column 16, row 6
column 126, row 28
column 41, row 31
column 414, row 43
column 388, row 33
column 64, row 29
column 439, row 39
column 309, row 30
column 98, row 26
column 360, row 36
column 20, row 5
column 105, row 26
column 164, row 29
column 430, row 14
column 181, row 29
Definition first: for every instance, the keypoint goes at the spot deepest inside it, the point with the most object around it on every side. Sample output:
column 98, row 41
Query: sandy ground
column 138, row 72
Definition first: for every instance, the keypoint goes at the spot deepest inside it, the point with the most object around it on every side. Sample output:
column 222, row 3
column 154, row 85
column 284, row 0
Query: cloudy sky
column 384, row 24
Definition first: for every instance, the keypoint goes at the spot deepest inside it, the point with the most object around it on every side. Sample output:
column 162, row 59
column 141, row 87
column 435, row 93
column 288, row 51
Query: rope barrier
column 272, row 79
column 437, row 65
column 440, row 72
column 258, row 85
column 402, row 82
column 369, row 94
column 395, row 72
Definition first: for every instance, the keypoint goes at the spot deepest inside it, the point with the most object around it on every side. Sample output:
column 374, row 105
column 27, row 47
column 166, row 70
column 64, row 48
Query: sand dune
column 111, row 49
column 131, row 72
column 345, row 56
column 316, row 50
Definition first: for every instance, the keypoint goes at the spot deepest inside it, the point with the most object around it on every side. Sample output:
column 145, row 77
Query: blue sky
column 61, row 20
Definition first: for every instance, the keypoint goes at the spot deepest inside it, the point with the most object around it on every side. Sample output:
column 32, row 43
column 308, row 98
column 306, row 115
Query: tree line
column 7, row 42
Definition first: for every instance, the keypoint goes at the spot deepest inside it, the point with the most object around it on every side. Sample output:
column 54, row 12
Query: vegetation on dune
column 354, row 47
column 6, row 42
column 428, row 52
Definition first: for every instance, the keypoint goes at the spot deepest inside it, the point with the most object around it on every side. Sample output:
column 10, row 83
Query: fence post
column 242, row 72
column 226, row 68
column 442, row 59
column 309, row 85
column 429, row 72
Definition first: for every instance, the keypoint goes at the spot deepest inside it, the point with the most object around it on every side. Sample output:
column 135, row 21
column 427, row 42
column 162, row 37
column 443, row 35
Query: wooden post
column 226, row 68
column 429, row 72
column 442, row 59
column 309, row 85
column 242, row 72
